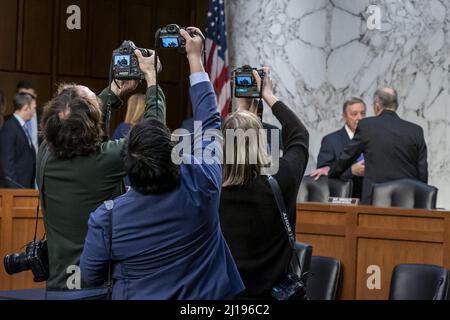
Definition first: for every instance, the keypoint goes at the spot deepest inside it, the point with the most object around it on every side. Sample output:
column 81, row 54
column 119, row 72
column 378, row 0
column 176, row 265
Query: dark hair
column 71, row 125
column 147, row 158
column 386, row 99
column 21, row 99
column 352, row 101
column 24, row 84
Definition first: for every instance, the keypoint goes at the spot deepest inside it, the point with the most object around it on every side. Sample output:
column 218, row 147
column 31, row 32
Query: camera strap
column 40, row 181
column 260, row 107
column 276, row 190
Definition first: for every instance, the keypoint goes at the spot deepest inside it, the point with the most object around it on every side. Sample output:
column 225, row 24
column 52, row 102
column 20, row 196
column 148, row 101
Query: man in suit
column 393, row 148
column 333, row 144
column 24, row 86
column 17, row 153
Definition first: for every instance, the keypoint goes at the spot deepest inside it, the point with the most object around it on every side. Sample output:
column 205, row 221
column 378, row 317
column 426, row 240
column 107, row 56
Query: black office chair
column 304, row 253
column 319, row 191
column 419, row 282
column 326, row 277
column 405, row 193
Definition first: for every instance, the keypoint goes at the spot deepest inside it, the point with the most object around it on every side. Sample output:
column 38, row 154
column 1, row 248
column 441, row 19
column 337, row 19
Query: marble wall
column 322, row 52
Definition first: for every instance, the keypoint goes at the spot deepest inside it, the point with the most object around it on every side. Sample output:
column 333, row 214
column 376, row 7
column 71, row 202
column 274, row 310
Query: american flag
column 217, row 54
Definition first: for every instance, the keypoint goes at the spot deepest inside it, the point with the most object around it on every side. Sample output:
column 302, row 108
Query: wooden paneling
column 37, row 36
column 8, row 81
column 8, row 33
column 35, row 41
column 138, row 23
column 363, row 236
column 17, row 226
column 387, row 254
column 103, row 36
column 72, row 44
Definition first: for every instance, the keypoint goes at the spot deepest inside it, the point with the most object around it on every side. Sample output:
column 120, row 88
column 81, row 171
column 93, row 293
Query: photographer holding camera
column 162, row 239
column 249, row 214
column 80, row 171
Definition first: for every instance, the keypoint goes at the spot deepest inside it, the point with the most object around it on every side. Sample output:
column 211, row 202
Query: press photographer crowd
column 123, row 221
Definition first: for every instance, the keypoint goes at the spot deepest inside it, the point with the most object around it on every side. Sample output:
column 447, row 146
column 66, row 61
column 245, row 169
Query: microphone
column 9, row 179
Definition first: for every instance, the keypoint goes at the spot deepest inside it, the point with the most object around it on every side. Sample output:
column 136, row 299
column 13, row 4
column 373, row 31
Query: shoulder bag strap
column 284, row 216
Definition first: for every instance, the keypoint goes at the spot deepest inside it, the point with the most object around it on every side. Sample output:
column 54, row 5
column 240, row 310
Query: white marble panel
column 321, row 52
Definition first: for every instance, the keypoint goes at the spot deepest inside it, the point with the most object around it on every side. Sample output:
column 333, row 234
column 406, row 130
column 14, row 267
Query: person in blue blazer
column 166, row 237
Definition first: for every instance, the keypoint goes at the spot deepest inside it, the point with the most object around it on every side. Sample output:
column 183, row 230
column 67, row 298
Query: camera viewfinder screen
column 244, row 81
column 170, row 42
column 122, row 61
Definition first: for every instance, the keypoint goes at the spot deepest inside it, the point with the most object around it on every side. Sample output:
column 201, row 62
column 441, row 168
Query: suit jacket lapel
column 24, row 135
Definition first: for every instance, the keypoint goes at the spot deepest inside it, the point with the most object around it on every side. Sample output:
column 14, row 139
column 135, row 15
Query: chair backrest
column 405, row 193
column 419, row 282
column 312, row 190
column 304, row 253
column 325, row 281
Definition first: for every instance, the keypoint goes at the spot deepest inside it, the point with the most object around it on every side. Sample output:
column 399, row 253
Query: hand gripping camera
column 245, row 85
column 35, row 258
column 169, row 37
column 125, row 65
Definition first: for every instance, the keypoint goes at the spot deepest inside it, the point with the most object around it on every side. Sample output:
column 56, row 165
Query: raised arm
column 207, row 138
column 153, row 109
column 294, row 134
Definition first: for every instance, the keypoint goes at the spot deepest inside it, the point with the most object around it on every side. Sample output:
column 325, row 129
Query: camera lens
column 16, row 262
column 172, row 28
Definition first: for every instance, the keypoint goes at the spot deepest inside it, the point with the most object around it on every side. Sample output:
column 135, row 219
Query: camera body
column 35, row 258
column 290, row 287
column 245, row 85
column 170, row 38
column 125, row 65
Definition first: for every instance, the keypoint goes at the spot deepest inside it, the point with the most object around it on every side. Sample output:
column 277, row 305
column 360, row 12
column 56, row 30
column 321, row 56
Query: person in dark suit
column 333, row 144
column 17, row 153
column 393, row 148
column 24, row 86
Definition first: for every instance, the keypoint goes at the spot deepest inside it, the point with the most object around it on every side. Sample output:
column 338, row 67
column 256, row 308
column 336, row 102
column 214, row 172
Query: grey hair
column 387, row 98
column 21, row 99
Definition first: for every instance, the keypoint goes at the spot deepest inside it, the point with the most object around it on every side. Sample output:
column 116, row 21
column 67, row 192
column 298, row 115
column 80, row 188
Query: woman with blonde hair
column 249, row 216
column 135, row 110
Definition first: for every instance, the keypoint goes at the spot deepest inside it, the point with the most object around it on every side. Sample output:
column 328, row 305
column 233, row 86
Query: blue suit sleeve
column 351, row 152
column 94, row 260
column 326, row 154
column 207, row 137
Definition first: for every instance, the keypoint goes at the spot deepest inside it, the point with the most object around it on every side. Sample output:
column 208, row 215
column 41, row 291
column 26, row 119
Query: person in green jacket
column 82, row 172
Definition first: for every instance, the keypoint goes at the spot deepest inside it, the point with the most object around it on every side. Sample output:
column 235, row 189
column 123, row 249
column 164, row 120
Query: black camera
column 125, row 65
column 170, row 37
column 35, row 258
column 245, row 85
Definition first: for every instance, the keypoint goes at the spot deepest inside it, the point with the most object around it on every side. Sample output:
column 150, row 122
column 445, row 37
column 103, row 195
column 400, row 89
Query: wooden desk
column 359, row 236
column 17, row 223
column 363, row 236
